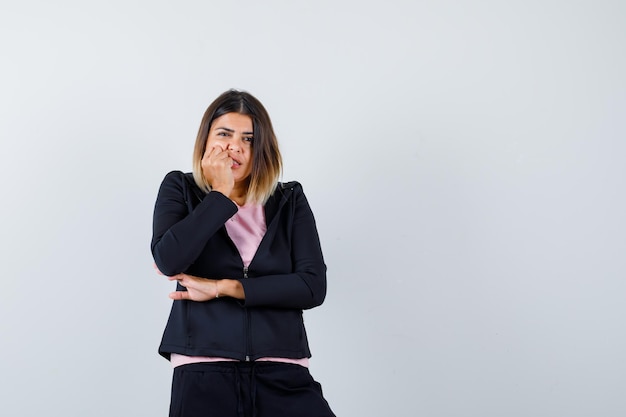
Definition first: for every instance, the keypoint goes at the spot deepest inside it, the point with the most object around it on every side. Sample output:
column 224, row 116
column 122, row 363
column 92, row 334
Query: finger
column 222, row 155
column 208, row 153
column 213, row 151
column 179, row 295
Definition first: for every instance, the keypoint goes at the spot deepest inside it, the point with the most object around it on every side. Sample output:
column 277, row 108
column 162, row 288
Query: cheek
column 209, row 144
column 249, row 167
column 213, row 141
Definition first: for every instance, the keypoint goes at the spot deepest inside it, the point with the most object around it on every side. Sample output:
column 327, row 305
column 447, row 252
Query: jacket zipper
column 245, row 275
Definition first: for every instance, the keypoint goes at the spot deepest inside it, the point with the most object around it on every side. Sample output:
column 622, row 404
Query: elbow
column 317, row 287
column 317, row 300
column 319, row 296
column 164, row 268
column 165, row 265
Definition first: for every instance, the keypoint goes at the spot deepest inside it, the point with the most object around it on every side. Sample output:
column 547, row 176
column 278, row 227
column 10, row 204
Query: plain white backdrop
column 464, row 160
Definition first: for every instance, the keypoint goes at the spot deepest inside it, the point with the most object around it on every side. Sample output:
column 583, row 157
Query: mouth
column 236, row 163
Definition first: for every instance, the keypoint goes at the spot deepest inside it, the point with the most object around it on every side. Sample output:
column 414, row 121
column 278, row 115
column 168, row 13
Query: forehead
column 233, row 121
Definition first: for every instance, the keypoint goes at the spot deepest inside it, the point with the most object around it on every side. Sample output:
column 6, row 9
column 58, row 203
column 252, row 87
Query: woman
column 246, row 256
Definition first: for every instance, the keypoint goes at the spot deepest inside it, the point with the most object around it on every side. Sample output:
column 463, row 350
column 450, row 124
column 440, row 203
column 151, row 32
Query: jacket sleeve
column 305, row 287
column 178, row 236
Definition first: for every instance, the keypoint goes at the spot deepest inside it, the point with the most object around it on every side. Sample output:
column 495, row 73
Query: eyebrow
column 233, row 131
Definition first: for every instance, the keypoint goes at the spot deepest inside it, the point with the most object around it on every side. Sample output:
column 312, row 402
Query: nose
column 233, row 147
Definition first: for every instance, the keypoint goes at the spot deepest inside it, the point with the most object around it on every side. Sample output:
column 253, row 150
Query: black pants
column 246, row 389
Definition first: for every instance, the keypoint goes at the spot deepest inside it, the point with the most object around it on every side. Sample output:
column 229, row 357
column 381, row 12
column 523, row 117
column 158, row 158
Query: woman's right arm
column 178, row 236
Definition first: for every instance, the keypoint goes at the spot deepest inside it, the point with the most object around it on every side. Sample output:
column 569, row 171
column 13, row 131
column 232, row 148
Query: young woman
column 246, row 256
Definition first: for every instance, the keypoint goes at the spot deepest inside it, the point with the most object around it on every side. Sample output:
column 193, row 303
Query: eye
column 222, row 133
column 248, row 139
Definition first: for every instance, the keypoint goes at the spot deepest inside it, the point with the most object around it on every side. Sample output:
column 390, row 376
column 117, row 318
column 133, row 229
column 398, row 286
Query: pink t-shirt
column 246, row 229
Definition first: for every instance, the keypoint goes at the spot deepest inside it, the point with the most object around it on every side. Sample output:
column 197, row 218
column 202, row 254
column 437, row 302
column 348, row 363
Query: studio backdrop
column 464, row 161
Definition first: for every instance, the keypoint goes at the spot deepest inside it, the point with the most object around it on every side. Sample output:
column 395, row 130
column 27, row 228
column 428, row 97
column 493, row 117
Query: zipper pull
column 247, row 358
column 245, row 272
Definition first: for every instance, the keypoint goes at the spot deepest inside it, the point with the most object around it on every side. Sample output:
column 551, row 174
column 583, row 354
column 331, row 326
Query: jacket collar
column 279, row 197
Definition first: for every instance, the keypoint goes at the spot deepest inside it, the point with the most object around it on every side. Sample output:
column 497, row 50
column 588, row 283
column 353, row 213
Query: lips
column 236, row 162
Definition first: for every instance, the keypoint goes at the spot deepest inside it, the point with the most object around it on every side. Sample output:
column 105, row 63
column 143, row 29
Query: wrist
column 222, row 188
column 230, row 288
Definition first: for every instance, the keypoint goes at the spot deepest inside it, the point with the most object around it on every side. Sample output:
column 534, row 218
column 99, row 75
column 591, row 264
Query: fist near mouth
column 217, row 166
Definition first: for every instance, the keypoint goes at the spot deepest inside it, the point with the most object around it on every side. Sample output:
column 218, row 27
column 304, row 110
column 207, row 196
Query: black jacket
column 286, row 275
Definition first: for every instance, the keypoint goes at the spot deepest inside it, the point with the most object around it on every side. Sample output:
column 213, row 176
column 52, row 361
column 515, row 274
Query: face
column 233, row 132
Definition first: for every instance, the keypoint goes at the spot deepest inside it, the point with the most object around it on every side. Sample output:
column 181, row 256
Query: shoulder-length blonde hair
column 266, row 159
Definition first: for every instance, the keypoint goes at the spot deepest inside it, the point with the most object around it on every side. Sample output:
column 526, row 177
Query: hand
column 216, row 168
column 204, row 289
column 198, row 289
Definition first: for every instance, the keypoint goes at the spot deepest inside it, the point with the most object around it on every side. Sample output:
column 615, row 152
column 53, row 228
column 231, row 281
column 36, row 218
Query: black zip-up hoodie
column 286, row 275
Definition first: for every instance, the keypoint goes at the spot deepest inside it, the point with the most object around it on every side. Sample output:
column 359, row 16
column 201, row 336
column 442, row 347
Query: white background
column 464, row 160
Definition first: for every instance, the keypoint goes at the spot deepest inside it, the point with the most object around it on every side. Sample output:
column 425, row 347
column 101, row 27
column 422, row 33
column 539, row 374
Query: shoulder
column 178, row 182
column 291, row 185
column 180, row 178
column 173, row 181
column 291, row 189
column 173, row 176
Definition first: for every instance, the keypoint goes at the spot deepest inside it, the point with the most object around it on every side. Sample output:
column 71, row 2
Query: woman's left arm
column 303, row 288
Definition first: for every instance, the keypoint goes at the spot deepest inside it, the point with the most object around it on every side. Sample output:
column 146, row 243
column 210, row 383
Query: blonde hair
column 266, row 159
